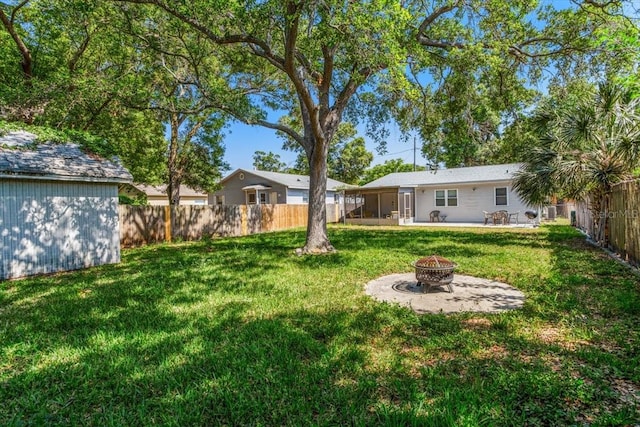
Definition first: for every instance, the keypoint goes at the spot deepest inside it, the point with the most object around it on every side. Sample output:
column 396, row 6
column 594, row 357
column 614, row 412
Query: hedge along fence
column 623, row 220
column 141, row 225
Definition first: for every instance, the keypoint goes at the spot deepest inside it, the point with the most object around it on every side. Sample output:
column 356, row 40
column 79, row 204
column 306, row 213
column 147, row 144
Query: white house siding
column 47, row 227
column 472, row 200
column 297, row 197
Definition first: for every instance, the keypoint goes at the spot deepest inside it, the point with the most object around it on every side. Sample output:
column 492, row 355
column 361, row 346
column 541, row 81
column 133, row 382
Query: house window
column 305, row 197
column 263, row 198
column 446, row 197
column 501, row 196
column 252, row 198
column 219, row 200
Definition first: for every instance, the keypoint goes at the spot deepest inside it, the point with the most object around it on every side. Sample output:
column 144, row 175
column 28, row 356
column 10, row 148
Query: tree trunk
column 173, row 184
column 317, row 239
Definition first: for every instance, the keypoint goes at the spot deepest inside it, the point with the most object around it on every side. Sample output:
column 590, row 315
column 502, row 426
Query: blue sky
column 241, row 141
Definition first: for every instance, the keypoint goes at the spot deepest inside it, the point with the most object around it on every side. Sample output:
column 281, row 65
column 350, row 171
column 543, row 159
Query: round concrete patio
column 469, row 294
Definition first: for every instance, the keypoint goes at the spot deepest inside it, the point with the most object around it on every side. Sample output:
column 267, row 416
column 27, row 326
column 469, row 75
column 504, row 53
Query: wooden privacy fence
column 141, row 225
column 623, row 220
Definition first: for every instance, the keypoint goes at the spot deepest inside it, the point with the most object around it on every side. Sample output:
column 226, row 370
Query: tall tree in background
column 481, row 60
column 268, row 162
column 181, row 75
column 389, row 166
column 313, row 57
column 587, row 143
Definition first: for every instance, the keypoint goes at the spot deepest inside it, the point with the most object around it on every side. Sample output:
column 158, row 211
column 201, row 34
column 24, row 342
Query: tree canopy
column 160, row 78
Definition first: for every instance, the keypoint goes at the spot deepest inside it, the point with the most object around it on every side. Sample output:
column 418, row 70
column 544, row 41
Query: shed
column 58, row 207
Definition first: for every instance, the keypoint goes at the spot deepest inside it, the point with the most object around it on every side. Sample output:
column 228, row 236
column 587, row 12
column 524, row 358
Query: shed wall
column 47, row 227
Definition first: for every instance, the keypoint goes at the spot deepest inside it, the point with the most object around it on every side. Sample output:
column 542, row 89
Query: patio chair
column 487, row 216
column 434, row 216
column 513, row 215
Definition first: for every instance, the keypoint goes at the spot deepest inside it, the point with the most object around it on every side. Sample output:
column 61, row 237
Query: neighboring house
column 58, row 207
column 244, row 187
column 459, row 194
column 156, row 195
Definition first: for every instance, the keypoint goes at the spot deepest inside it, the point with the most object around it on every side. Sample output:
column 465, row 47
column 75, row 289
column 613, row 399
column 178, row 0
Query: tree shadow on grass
column 170, row 337
column 293, row 368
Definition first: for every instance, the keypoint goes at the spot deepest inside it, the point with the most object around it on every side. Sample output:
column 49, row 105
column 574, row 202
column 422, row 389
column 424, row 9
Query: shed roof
column 23, row 156
column 300, row 182
column 466, row 175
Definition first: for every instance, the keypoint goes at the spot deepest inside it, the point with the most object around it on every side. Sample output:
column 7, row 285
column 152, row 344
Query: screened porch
column 378, row 206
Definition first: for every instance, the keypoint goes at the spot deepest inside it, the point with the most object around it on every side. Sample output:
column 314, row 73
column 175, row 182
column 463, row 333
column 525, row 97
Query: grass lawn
column 241, row 331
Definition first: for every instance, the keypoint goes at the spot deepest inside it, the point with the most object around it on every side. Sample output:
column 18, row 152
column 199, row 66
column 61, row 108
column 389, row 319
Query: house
column 58, row 207
column 156, row 195
column 451, row 195
column 243, row 187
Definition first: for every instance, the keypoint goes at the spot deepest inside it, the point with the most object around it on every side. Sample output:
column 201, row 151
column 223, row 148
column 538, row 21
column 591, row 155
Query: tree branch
column 27, row 60
column 17, row 8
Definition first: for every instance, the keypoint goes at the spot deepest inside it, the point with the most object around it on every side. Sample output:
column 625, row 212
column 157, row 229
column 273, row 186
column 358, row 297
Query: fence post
column 243, row 220
column 167, row 223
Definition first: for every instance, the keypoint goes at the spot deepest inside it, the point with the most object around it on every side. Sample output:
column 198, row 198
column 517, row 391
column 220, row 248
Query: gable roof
column 466, row 175
column 299, row 182
column 23, row 156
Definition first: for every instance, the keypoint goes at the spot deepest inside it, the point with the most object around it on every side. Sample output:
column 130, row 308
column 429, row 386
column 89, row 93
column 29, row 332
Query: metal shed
column 58, row 207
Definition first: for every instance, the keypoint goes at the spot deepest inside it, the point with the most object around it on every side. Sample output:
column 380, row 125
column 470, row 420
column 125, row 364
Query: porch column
column 379, row 215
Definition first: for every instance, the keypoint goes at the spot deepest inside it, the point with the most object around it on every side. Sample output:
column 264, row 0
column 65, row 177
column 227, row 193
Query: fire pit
column 434, row 270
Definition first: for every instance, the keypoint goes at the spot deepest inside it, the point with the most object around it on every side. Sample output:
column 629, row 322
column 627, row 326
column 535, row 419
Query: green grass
column 243, row 332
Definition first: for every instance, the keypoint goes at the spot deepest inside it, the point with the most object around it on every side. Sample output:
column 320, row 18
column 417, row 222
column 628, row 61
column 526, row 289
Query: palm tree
column 586, row 145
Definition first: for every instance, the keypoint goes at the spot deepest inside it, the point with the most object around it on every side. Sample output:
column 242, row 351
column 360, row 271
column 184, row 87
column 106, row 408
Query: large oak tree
column 308, row 59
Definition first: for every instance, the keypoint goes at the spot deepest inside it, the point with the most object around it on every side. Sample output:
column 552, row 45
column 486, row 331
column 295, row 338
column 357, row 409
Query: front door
column 407, row 205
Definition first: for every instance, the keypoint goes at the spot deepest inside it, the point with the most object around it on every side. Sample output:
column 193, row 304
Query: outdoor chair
column 513, row 215
column 501, row 217
column 487, row 216
column 434, row 216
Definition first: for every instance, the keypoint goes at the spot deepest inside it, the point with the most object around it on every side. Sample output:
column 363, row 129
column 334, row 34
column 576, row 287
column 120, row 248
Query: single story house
column 58, row 207
column 451, row 195
column 243, row 187
column 156, row 195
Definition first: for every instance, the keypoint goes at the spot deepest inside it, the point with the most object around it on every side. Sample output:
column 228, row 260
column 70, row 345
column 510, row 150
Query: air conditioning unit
column 551, row 213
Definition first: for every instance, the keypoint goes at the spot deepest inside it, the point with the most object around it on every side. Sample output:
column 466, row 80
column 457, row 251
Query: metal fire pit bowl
column 434, row 270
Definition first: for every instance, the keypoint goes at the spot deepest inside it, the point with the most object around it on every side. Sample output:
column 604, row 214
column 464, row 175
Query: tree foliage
column 389, row 166
column 587, row 143
column 480, row 62
column 268, row 162
column 105, row 68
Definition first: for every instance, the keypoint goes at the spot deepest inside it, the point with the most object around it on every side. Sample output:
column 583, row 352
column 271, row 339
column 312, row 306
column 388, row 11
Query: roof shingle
column 447, row 176
column 21, row 155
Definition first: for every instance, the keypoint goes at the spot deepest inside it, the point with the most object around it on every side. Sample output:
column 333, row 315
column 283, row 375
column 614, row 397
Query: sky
column 242, row 140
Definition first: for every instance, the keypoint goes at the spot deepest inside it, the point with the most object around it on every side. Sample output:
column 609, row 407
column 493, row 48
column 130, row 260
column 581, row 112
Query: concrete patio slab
column 468, row 225
column 470, row 294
